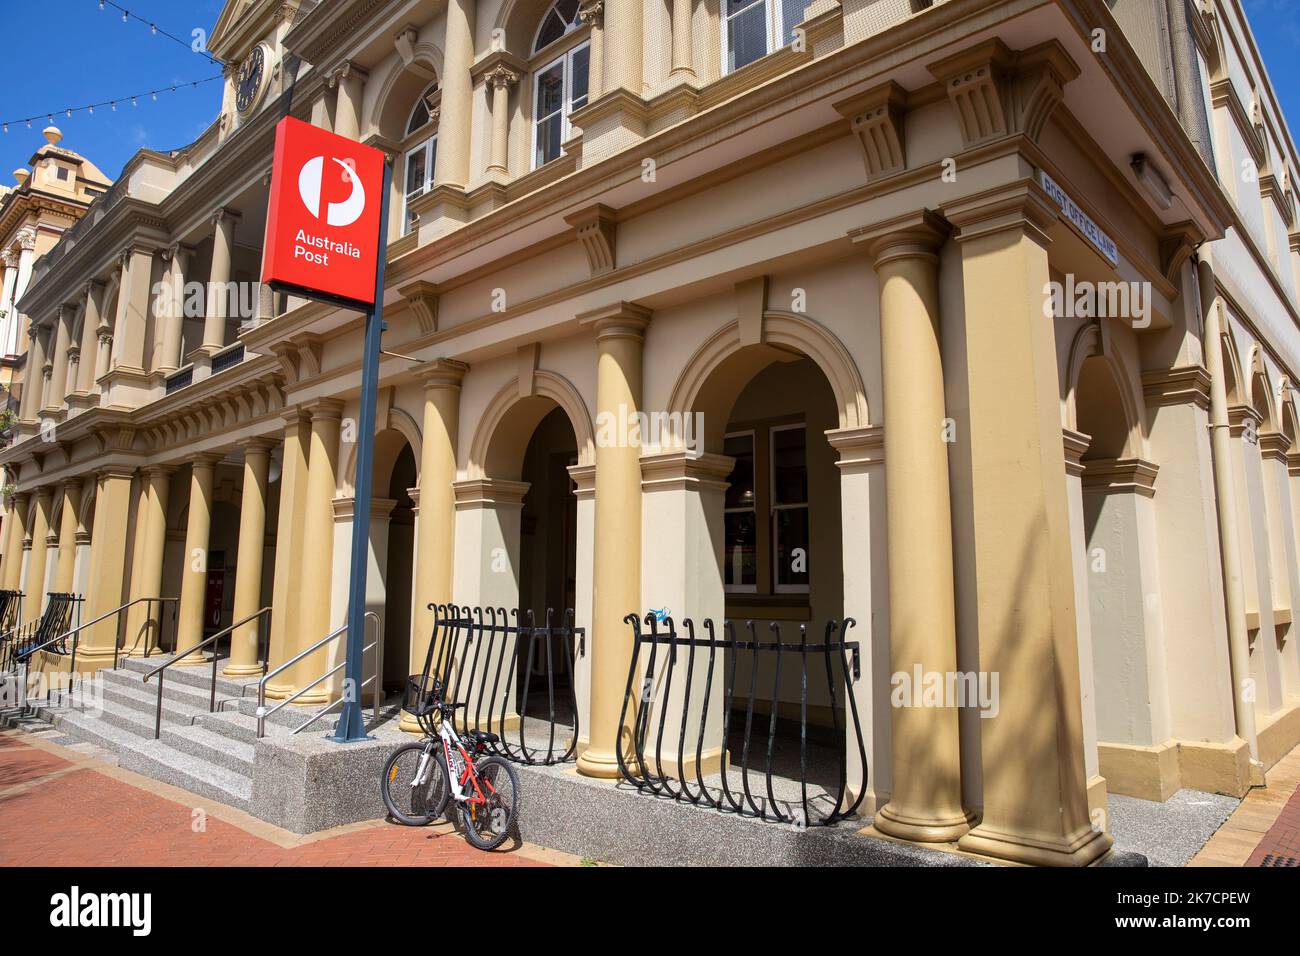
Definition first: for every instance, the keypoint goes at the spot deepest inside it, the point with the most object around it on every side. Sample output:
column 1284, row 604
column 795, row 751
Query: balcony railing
column 182, row 379
column 231, row 357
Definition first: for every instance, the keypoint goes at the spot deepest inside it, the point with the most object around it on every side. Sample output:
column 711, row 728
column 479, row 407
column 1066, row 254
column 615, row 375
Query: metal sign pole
column 350, row 726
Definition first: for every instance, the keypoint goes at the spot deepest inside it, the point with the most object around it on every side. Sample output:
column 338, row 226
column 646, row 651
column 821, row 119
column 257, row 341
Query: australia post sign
column 322, row 225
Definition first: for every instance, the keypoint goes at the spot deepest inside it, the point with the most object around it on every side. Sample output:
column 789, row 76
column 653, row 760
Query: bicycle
column 486, row 786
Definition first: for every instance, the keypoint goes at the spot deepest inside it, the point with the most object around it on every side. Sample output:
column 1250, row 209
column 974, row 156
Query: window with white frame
column 765, row 511
column 751, row 29
column 559, row 87
column 419, row 159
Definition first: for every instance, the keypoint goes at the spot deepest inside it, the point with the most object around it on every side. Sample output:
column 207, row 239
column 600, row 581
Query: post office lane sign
column 322, row 225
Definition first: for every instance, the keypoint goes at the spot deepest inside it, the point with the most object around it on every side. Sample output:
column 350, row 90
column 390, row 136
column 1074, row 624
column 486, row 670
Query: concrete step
column 191, row 677
column 216, row 748
column 155, row 758
column 240, row 728
column 126, row 699
column 184, row 695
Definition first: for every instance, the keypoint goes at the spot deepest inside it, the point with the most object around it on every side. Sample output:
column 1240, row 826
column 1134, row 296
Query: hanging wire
column 111, row 104
column 156, row 30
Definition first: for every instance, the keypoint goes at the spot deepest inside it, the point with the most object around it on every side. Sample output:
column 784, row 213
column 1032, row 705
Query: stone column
column 223, row 242
column 1034, row 779
column 244, row 650
column 288, row 548
column 499, row 81
column 26, row 257
column 925, row 803
column 133, row 310
column 8, row 332
column 12, row 572
column 436, row 517
column 30, row 407
column 316, row 574
column 592, row 13
column 107, row 568
column 90, row 325
column 62, row 339
column 351, row 82
column 620, row 338
column 622, row 46
column 67, row 566
column 146, row 619
column 174, row 321
column 451, row 165
column 683, row 63
column 34, row 581
column 194, row 577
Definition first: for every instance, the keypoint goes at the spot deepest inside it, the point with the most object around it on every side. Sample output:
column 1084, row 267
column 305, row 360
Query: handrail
column 378, row 643
column 212, row 701
column 76, row 631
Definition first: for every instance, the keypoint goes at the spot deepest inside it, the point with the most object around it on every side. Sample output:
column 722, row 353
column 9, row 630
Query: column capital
column 489, row 493
column 109, row 472
column 323, row 409
column 295, row 415
column 178, row 252
column 8, row 258
column 914, row 235
column 441, row 373
column 223, row 213
column 157, row 471
column 1022, row 206
column 258, row 446
column 501, row 77
column 347, row 70
column 205, row 459
column 71, row 484
column 592, row 13
column 621, row 320
column 1075, row 446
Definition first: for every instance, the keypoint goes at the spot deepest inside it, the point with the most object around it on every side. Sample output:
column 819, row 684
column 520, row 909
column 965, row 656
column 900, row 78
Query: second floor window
column 560, row 87
column 754, row 28
column 419, row 159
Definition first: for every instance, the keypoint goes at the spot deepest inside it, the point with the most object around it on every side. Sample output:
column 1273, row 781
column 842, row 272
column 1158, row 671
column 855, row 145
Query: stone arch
column 1288, row 420
column 699, row 389
column 400, row 87
column 1259, row 391
column 1231, row 365
column 1088, row 355
column 520, row 20
column 497, row 448
column 391, row 435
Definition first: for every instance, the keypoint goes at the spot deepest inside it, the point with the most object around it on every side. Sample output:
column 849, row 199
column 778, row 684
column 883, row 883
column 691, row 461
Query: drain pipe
column 1225, row 496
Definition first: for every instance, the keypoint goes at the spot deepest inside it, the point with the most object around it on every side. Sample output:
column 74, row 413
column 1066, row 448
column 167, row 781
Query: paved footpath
column 1265, row 829
column 71, row 806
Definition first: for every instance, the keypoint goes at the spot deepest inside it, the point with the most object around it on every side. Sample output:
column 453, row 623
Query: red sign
column 322, row 225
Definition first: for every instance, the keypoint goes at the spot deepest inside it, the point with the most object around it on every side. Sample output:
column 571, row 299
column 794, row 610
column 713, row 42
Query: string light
column 155, row 30
column 111, row 104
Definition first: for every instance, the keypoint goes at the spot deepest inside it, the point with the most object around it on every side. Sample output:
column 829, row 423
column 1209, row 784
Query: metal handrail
column 378, row 643
column 212, row 701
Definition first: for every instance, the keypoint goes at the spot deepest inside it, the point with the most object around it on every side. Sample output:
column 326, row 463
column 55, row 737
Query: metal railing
column 649, row 691
column 378, row 678
column 487, row 659
column 50, row 630
column 11, row 603
column 178, row 380
column 263, row 617
column 229, row 358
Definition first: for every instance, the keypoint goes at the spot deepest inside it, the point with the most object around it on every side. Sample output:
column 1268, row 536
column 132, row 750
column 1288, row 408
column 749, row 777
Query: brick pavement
column 59, row 807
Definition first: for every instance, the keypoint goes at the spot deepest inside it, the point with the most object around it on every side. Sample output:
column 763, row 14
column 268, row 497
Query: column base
column 1279, row 733
column 1085, row 846
column 278, row 691
column 194, row 660
column 600, row 764
column 902, row 826
column 241, row 670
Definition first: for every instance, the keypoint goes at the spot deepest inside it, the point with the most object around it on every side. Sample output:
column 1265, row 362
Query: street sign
column 322, row 223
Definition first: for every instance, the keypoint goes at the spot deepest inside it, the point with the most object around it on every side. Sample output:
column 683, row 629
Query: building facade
column 974, row 321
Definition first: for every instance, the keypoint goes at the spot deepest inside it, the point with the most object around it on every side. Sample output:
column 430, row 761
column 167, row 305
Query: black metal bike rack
column 646, row 687
column 484, row 658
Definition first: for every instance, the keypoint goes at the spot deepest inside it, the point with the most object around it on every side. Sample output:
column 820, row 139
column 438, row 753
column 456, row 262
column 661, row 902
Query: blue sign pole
column 350, row 726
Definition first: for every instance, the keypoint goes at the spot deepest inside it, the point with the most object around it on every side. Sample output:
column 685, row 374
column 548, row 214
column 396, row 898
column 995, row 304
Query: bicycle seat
column 483, row 737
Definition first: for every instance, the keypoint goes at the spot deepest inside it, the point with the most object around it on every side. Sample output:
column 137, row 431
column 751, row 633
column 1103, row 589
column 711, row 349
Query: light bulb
column 133, row 102
column 153, row 28
column 124, row 16
column 92, row 110
column 113, row 106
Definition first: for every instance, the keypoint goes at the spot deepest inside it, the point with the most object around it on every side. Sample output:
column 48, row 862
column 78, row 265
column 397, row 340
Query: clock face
column 250, row 79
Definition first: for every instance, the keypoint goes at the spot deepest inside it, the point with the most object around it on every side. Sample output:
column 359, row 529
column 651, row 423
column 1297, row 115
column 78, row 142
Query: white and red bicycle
column 417, row 785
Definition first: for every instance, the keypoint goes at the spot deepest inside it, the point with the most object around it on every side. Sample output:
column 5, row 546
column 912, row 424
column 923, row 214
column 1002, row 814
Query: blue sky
column 104, row 58
column 101, row 58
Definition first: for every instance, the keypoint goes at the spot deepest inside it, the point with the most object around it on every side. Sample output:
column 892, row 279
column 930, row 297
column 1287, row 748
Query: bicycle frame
column 448, row 739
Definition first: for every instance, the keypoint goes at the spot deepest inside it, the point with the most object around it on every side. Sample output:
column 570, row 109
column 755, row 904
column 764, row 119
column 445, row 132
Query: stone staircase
column 210, row 754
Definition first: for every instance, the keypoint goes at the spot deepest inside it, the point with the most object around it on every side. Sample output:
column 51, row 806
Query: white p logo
column 338, row 213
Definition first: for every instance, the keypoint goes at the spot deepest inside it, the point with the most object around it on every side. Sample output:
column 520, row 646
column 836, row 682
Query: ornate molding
column 597, row 229
column 422, row 299
column 876, row 118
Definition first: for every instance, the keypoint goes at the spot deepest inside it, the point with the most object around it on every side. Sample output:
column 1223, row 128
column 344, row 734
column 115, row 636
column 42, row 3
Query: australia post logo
column 322, row 223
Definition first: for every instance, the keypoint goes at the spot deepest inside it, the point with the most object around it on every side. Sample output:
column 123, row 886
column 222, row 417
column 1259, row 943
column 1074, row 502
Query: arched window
column 419, row 159
column 559, row 87
column 754, row 28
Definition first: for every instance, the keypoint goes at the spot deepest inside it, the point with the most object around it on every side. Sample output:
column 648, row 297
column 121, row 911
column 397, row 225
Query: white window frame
column 427, row 146
column 752, row 434
column 566, row 128
column 773, row 507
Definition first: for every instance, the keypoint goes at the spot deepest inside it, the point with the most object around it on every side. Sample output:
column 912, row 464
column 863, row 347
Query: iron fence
column 55, row 621
column 491, row 663
column 657, row 659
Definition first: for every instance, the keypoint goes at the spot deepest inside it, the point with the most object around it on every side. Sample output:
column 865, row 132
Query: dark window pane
column 552, row 29
column 419, row 116
column 789, row 467
column 415, row 172
column 792, row 546
column 740, row 551
column 548, row 139
column 740, row 491
column 568, row 10
column 581, row 62
column 747, row 37
column 550, row 91
column 792, row 12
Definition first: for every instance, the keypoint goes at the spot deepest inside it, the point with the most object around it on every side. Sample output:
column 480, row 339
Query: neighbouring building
column 989, row 311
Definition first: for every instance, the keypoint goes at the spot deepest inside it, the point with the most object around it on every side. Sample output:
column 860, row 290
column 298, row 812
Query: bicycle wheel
column 487, row 825
column 413, row 805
